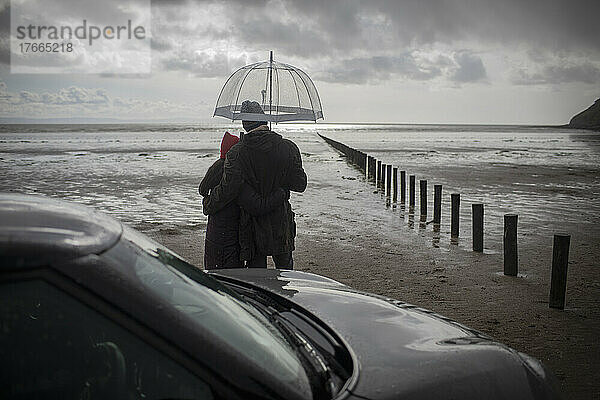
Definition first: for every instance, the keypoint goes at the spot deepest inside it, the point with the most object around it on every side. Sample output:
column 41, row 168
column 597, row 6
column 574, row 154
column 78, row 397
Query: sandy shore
column 376, row 250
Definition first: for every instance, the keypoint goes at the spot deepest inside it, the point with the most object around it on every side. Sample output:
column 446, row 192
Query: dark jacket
column 266, row 161
column 223, row 225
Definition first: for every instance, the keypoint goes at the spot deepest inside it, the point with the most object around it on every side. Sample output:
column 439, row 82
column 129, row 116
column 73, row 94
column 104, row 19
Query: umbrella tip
column 271, row 56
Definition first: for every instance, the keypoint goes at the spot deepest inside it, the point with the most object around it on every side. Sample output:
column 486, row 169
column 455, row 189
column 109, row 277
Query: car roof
column 38, row 230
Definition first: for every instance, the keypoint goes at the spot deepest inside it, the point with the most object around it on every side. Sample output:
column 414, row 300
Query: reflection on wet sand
column 411, row 217
column 435, row 239
column 593, row 141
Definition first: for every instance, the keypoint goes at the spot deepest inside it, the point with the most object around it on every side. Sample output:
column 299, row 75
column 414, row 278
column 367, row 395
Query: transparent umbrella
column 286, row 93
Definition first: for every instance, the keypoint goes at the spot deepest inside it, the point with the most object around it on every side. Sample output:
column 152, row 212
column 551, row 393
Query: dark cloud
column 106, row 12
column 584, row 72
column 343, row 24
column 378, row 68
column 4, row 19
column 204, row 64
column 4, row 51
column 376, row 35
column 459, row 67
column 160, row 44
column 362, row 40
column 4, row 33
column 470, row 68
column 291, row 37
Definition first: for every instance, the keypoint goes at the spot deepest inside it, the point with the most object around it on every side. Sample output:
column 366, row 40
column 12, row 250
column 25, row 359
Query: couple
column 246, row 195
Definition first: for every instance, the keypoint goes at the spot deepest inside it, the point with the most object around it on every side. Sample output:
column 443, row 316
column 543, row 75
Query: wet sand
column 358, row 241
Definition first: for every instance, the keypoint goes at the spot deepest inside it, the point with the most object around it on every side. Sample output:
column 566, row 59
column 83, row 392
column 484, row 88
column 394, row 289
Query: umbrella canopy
column 285, row 92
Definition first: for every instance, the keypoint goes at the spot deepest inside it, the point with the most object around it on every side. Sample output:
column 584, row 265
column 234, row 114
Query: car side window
column 54, row 346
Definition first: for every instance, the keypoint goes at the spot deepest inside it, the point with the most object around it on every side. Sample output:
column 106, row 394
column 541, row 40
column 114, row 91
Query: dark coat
column 223, row 226
column 266, row 161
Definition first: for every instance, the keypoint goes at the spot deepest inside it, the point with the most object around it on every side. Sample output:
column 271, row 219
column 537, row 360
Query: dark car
column 91, row 309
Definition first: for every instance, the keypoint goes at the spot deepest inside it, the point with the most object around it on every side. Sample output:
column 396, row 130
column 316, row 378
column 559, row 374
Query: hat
column 251, row 107
column 227, row 143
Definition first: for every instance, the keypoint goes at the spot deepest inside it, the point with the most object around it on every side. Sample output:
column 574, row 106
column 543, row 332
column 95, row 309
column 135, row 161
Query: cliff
column 587, row 119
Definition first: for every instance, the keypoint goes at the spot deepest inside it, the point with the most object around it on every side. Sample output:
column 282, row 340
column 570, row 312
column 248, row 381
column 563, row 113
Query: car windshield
column 212, row 305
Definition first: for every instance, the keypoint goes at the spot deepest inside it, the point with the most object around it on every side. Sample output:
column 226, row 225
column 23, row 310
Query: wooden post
column 374, row 161
column 511, row 257
column 363, row 162
column 455, row 215
column 383, row 170
column 437, row 204
column 402, row 187
column 395, row 185
column 378, row 173
column 423, row 197
column 388, row 175
column 560, row 262
column 411, row 191
column 373, row 166
column 477, row 227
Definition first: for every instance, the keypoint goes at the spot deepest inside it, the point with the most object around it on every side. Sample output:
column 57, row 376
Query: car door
column 59, row 341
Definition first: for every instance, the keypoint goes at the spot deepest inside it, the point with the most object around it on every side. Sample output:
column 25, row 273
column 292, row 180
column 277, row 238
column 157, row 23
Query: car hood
column 402, row 351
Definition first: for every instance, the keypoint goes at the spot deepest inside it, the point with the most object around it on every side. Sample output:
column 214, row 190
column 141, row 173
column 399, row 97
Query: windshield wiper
column 321, row 375
column 322, row 378
column 318, row 363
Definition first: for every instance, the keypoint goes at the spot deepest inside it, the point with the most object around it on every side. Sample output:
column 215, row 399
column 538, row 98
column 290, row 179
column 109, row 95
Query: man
column 221, row 243
column 265, row 161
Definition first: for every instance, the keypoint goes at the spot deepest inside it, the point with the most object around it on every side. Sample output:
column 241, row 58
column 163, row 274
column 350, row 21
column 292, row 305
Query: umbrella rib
column 242, row 83
column 278, row 90
column 223, row 88
column 266, row 87
column 296, row 86
column 309, row 96
column 318, row 97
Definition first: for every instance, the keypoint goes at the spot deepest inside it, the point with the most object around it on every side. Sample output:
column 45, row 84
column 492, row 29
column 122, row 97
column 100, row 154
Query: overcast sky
column 436, row 61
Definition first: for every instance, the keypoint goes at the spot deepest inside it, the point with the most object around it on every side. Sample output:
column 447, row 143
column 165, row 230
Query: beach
column 147, row 176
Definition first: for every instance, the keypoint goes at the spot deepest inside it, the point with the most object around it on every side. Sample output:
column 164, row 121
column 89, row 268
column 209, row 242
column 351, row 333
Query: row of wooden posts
column 385, row 177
